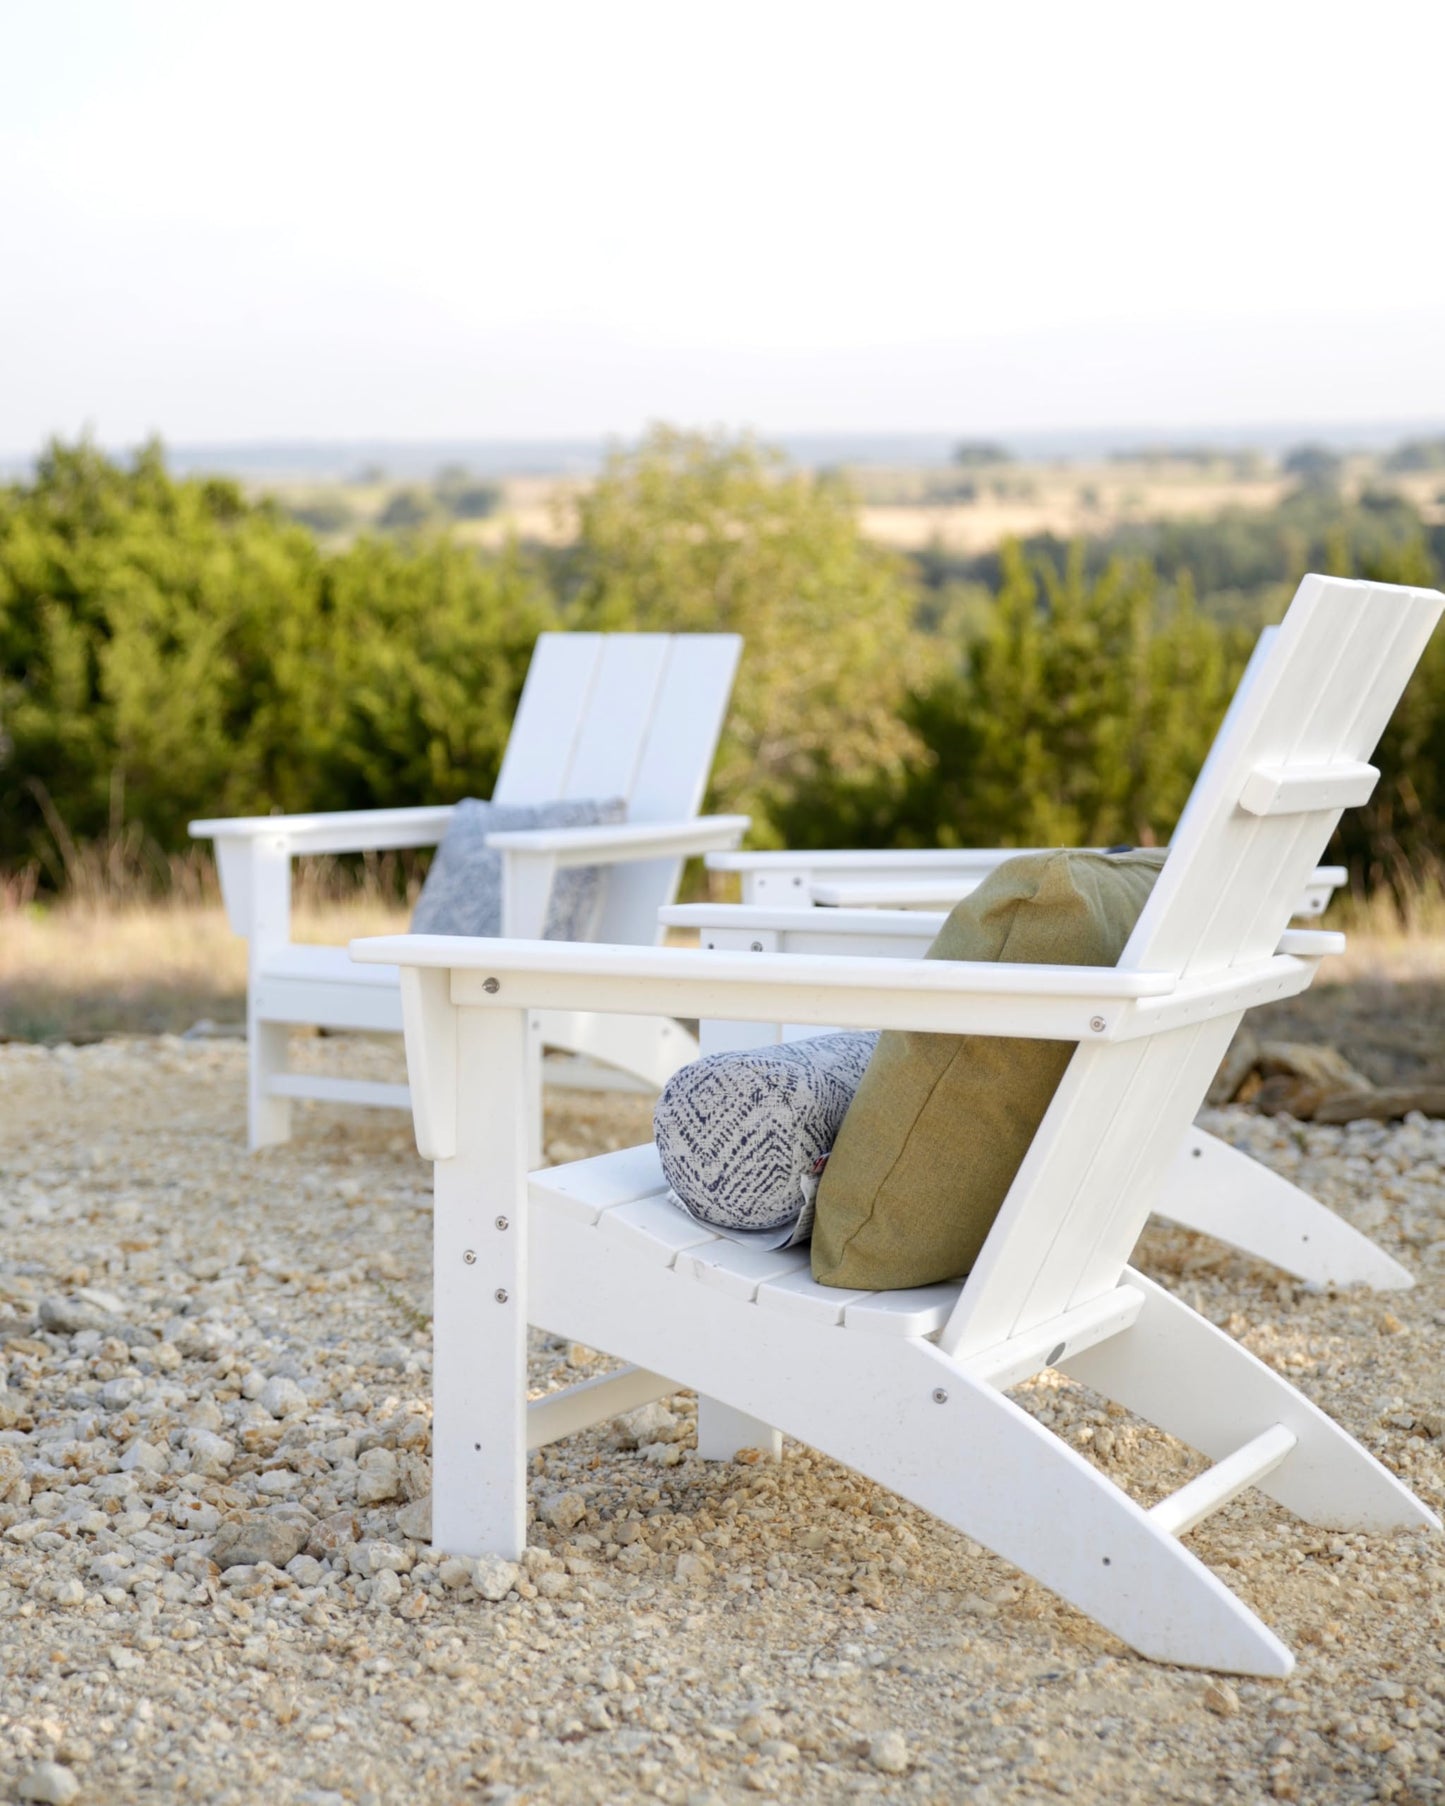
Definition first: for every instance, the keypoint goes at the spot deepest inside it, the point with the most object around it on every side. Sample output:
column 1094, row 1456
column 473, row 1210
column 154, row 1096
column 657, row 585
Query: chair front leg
column 479, row 1325
column 723, row 1432
column 260, row 870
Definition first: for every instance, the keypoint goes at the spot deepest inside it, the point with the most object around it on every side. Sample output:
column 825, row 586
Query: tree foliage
column 169, row 649
column 1078, row 714
column 694, row 533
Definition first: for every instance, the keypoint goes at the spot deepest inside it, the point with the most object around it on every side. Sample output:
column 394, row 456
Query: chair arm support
column 343, row 831
column 1068, row 1003
column 623, row 841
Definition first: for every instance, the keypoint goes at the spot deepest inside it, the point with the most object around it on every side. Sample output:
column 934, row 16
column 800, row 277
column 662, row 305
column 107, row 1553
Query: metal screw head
column 491, row 986
column 503, row 1223
column 1098, row 1024
column 469, row 1257
column 500, row 1294
column 940, row 1397
column 755, row 947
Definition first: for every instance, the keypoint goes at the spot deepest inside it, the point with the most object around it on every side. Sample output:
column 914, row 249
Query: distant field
column 955, row 509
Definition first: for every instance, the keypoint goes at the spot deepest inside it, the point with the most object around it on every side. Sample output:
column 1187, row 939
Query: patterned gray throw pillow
column 742, row 1135
column 463, row 889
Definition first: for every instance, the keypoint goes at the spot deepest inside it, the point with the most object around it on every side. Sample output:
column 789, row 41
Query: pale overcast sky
column 231, row 221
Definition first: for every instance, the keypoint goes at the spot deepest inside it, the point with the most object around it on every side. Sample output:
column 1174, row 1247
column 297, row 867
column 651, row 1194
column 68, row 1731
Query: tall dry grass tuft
column 126, row 869
column 127, row 938
column 1410, row 907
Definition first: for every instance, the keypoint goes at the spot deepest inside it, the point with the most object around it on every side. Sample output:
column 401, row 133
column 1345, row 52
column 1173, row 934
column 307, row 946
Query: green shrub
column 169, row 650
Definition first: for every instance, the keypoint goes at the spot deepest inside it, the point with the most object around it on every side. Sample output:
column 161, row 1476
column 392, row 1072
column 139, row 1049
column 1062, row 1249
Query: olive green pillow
column 940, row 1123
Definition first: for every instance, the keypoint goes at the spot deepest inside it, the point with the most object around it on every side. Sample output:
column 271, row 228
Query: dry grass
column 1393, row 936
column 78, row 971
column 913, row 508
column 139, row 942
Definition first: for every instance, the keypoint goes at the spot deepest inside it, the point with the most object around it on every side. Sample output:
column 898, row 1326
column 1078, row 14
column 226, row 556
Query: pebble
column 414, row 1520
column 563, row 1510
column 12, row 1471
column 282, row 1397
column 69, row 1316
column 386, row 1588
column 332, row 1534
column 249, row 1540
column 649, row 1423
column 211, row 1455
column 492, row 1577
column 379, row 1478
column 51, row 1783
column 888, row 1753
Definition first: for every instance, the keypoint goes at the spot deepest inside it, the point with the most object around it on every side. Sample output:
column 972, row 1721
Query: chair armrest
column 619, row 842
column 904, row 878
column 785, row 925
column 941, row 892
column 342, row 831
column 887, row 932
column 1069, row 1003
column 862, row 861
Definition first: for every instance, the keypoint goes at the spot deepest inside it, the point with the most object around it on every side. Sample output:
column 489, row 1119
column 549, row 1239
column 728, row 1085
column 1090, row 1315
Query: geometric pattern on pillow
column 463, row 890
column 741, row 1134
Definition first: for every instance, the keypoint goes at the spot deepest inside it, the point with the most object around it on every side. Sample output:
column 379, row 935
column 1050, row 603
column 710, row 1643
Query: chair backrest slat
column 555, row 701
column 671, row 776
column 1317, row 696
column 682, row 735
column 611, row 736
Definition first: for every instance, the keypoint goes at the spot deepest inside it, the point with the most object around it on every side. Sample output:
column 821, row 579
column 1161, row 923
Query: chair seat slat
column 654, row 1227
column 737, row 1269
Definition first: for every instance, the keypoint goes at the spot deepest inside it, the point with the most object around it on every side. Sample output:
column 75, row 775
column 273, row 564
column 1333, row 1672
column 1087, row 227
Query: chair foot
column 1177, row 1370
column 1214, row 1189
column 268, row 1118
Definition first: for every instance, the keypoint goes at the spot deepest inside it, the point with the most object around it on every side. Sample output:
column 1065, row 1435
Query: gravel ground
column 215, row 1584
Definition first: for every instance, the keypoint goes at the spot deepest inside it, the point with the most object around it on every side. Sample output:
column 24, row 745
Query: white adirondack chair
column 911, row 1388
column 600, row 715
column 1210, row 1186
